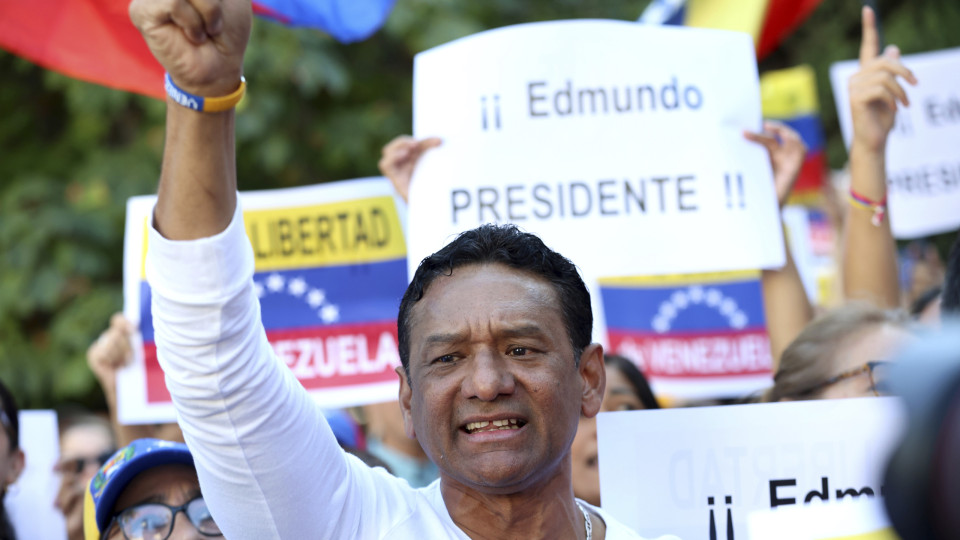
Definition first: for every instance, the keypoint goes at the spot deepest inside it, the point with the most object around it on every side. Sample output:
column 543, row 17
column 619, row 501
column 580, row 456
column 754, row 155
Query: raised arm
column 870, row 254
column 785, row 301
column 201, row 44
column 260, row 444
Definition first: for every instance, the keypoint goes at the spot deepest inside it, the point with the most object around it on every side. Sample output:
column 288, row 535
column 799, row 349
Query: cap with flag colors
column 114, row 476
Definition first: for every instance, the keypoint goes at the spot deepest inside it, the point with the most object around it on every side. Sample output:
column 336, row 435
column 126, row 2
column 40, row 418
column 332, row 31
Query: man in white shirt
column 494, row 339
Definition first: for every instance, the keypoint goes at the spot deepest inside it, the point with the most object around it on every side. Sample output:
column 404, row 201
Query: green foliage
column 71, row 153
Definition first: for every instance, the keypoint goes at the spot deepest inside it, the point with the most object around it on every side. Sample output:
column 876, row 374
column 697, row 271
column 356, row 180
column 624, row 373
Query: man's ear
column 406, row 394
column 594, row 375
column 17, row 462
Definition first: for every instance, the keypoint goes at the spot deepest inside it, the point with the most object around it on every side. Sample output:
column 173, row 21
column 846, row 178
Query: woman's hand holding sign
column 400, row 158
column 787, row 152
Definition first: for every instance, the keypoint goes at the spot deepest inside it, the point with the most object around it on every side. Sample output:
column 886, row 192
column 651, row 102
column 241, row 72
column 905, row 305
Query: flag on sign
column 790, row 96
column 694, row 336
column 94, row 40
column 329, row 278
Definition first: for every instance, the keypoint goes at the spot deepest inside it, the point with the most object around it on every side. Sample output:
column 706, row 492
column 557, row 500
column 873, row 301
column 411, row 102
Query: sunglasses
column 78, row 465
column 154, row 521
column 877, row 372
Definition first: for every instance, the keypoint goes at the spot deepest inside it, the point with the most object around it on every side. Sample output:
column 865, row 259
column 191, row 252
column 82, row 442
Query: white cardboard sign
column 850, row 519
column 690, row 472
column 30, row 501
column 330, row 269
column 619, row 144
column 923, row 150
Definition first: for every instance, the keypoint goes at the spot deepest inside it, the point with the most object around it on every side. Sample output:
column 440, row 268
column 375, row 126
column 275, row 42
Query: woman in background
column 627, row 390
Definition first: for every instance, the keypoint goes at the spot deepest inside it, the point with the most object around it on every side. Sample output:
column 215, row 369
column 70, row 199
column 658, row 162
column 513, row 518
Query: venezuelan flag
column 790, row 96
column 94, row 40
column 329, row 278
column 693, row 336
column 768, row 21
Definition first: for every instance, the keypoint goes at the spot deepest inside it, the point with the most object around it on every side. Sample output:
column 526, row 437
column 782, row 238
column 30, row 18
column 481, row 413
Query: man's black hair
column 511, row 247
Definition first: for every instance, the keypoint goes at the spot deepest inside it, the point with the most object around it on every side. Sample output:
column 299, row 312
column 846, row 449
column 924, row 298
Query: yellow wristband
column 204, row 104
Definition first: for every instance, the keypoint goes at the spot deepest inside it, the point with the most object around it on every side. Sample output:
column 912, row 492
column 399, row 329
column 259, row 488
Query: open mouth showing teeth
column 495, row 425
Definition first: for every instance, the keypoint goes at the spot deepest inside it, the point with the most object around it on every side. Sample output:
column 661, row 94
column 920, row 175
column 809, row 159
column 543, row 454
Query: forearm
column 260, row 444
column 198, row 183
column 787, row 307
column 870, row 256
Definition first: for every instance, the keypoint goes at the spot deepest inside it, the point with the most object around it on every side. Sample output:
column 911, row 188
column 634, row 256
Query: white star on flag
column 258, row 289
column 329, row 313
column 297, row 287
column 275, row 282
column 315, row 298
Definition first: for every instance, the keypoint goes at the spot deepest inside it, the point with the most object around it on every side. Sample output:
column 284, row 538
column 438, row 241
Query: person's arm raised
column 201, row 44
column 785, row 301
column 870, row 254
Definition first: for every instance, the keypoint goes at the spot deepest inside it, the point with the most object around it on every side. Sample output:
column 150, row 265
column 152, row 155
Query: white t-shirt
column 268, row 463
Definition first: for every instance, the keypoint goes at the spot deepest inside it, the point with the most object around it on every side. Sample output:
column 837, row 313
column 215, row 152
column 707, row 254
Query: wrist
column 212, row 99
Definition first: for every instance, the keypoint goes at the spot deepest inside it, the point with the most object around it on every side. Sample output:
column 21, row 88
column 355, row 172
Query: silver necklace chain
column 587, row 524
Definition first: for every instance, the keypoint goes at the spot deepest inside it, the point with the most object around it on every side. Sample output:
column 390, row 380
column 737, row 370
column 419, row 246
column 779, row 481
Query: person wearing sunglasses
column 842, row 354
column 86, row 443
column 148, row 490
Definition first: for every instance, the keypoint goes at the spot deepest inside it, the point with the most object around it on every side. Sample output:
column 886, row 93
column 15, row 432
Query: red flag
column 92, row 40
column 783, row 17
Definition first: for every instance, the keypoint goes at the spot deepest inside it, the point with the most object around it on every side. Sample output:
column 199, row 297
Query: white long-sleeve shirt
column 268, row 463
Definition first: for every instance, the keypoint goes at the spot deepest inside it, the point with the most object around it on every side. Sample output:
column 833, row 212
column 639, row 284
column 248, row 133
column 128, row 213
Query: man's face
column 495, row 394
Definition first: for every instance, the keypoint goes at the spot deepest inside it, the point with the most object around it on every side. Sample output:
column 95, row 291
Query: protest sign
column 330, row 272
column 29, row 502
column 692, row 472
column 849, row 519
column 923, row 166
column 694, row 336
column 619, row 144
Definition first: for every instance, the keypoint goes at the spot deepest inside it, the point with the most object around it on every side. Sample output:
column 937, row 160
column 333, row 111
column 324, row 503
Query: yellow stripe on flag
column 787, row 93
column 350, row 232
column 739, row 15
column 674, row 280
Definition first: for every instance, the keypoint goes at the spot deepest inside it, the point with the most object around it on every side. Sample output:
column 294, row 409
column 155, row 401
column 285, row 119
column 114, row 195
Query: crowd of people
column 494, row 432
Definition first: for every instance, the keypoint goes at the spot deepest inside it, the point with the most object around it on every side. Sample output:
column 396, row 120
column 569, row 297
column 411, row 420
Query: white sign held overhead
column 700, row 472
column 619, row 144
column 923, row 162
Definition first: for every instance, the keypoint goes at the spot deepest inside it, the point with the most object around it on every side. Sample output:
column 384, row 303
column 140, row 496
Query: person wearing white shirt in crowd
column 494, row 340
